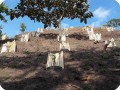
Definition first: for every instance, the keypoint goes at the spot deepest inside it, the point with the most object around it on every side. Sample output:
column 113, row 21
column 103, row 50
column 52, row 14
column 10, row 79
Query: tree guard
column 9, row 47
column 55, row 59
column 25, row 37
column 64, row 46
column 111, row 43
column 61, row 38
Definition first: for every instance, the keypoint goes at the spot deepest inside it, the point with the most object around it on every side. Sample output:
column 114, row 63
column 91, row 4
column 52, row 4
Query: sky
column 103, row 11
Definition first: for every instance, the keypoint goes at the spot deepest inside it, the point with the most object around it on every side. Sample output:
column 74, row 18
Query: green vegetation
column 113, row 23
column 51, row 12
column 22, row 27
column 7, row 77
column 1, row 27
column 27, row 52
column 87, row 87
column 3, row 11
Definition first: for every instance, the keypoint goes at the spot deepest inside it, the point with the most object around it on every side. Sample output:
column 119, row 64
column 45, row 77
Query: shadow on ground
column 84, row 70
column 78, row 36
column 49, row 36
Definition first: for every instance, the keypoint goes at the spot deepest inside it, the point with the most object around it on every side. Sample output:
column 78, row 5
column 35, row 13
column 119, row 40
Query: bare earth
column 87, row 65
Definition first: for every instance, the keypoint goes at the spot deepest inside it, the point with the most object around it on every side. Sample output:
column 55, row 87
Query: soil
column 87, row 66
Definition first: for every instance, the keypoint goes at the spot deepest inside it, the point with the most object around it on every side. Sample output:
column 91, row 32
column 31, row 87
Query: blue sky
column 103, row 11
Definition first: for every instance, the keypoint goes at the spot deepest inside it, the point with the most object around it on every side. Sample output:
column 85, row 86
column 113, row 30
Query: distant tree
column 1, row 27
column 113, row 23
column 3, row 10
column 22, row 27
column 51, row 12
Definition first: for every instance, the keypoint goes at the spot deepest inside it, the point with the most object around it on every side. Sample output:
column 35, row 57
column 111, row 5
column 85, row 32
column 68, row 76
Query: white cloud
column 118, row 1
column 1, row 1
column 64, row 25
column 101, row 13
column 96, row 23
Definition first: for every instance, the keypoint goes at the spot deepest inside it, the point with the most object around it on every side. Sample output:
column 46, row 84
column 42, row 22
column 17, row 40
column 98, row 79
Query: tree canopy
column 22, row 27
column 3, row 10
column 1, row 27
column 51, row 12
column 113, row 23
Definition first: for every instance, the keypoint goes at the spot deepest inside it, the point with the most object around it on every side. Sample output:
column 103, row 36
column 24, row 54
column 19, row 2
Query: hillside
column 87, row 65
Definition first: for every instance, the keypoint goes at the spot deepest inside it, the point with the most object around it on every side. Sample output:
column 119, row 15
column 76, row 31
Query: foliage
column 22, row 27
column 7, row 77
column 1, row 27
column 106, row 55
column 3, row 10
column 113, row 23
column 87, row 87
column 27, row 52
column 51, row 12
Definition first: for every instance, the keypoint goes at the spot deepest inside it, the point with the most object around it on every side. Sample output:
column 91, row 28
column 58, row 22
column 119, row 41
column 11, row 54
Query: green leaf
column 50, row 11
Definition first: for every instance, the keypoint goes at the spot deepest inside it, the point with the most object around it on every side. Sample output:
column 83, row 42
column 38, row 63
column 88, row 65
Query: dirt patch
column 87, row 66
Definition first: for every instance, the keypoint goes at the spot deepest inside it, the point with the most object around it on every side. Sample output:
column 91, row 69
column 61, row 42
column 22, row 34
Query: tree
column 51, row 12
column 22, row 27
column 113, row 23
column 3, row 10
column 1, row 27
